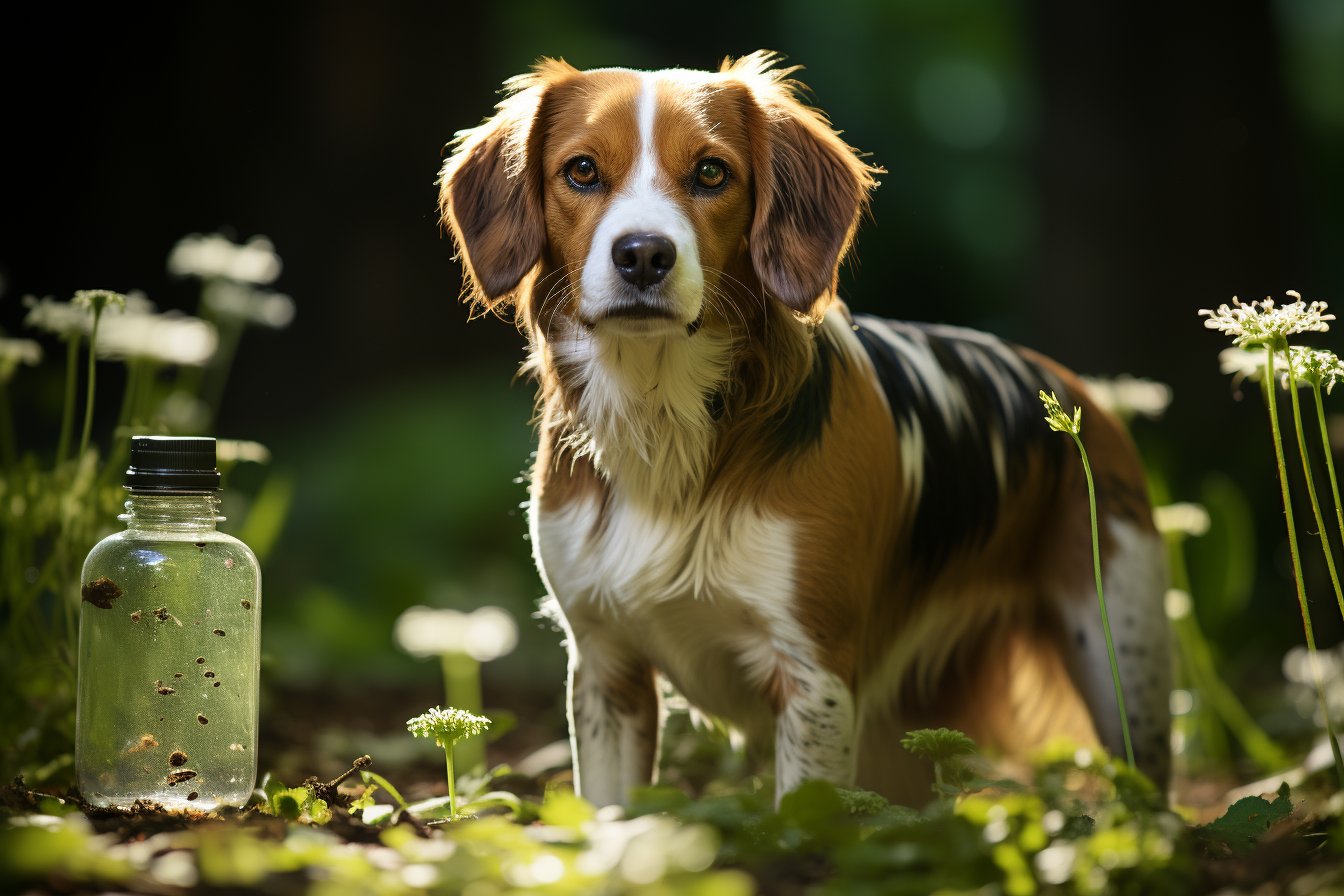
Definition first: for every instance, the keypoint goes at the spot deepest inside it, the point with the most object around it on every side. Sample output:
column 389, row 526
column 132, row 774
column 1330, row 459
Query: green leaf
column 565, row 809
column 365, row 799
column 375, row 778
column 1241, row 826
column 290, row 803
column 319, row 812
column 938, row 744
column 813, row 806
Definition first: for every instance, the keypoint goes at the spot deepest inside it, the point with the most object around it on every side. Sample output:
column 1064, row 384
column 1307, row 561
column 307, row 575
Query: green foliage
column 1089, row 825
column 1239, row 829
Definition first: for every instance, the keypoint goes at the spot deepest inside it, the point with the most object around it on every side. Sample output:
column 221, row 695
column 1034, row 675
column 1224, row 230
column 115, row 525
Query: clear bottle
column 169, row 642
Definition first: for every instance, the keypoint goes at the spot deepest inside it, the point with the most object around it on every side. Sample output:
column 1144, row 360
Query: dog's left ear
column 811, row 188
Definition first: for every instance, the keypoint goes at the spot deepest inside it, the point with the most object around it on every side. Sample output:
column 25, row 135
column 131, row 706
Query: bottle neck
column 195, row 512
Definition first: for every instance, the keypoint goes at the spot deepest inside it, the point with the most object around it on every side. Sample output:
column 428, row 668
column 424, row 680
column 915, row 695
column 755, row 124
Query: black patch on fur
column 799, row 426
column 959, row 499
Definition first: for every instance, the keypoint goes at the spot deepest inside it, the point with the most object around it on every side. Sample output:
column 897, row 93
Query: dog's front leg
column 614, row 721
column 814, row 730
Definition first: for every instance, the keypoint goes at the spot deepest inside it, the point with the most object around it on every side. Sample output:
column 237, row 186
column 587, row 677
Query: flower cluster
column 447, row 726
column 1267, row 324
column 1057, row 419
column 1315, row 367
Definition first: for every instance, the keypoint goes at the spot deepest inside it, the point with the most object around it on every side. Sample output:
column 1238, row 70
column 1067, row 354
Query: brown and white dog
column 825, row 527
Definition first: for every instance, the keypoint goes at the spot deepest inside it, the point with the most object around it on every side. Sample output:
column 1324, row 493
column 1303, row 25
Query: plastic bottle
column 169, row 643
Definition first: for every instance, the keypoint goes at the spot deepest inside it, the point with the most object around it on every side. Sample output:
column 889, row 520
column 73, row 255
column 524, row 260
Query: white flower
column 1246, row 363
column 1127, row 396
column 216, row 255
column 59, row 318
column 14, row 352
column 170, row 338
column 1181, row 518
column 1315, row 367
column 238, row 450
column 485, row 634
column 238, row 300
column 1263, row 323
column 1310, row 366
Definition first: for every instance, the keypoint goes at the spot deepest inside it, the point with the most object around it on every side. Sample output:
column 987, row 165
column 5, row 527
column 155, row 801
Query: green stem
column 68, row 408
column 452, row 781
column 1267, row 381
column 88, row 399
column 8, row 450
column 462, row 688
column 1329, row 457
column 1101, row 600
column 1311, row 490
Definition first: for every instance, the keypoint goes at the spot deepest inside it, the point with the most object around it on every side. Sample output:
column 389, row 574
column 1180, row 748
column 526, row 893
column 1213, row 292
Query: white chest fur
column 706, row 595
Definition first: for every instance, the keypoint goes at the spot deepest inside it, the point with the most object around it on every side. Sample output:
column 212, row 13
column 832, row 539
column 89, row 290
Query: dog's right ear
column 490, row 191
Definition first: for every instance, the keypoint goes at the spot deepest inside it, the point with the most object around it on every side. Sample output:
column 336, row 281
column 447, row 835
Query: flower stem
column 1101, row 600
column 462, row 688
column 1311, row 491
column 68, row 408
column 1329, row 460
column 88, row 399
column 452, row 781
column 1267, row 381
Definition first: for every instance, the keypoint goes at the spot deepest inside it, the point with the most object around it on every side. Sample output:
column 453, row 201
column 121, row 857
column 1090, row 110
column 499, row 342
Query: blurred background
column 1080, row 178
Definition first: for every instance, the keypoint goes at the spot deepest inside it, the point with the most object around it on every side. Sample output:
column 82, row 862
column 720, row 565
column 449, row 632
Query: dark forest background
column 1079, row 177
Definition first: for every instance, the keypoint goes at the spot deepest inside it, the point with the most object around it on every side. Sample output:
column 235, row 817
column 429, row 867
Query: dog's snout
column 643, row 259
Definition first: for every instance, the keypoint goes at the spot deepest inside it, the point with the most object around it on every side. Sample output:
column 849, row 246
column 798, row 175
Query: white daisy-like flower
column 484, row 634
column 58, row 318
column 1264, row 323
column 256, row 306
column 1129, row 396
column 1181, row 518
column 15, row 353
column 1315, row 367
column 241, row 451
column 169, row 338
column 215, row 255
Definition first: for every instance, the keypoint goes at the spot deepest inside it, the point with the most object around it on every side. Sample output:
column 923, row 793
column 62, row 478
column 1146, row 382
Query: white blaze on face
column 646, row 204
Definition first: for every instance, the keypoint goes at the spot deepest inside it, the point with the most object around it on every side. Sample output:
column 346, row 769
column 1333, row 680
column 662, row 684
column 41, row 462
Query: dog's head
column 629, row 199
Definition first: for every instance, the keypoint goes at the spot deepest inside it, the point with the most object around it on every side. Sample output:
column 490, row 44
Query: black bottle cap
column 172, row 464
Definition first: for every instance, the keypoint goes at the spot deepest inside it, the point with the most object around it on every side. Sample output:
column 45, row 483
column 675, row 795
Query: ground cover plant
column 1256, row 808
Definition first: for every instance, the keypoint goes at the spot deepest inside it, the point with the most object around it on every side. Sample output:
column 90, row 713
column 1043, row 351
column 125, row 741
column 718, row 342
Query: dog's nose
column 643, row 259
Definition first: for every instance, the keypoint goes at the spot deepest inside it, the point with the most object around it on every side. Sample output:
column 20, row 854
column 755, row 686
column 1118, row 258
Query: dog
column 824, row 528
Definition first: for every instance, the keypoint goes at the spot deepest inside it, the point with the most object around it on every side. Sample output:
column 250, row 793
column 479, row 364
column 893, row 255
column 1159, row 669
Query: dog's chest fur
column 703, row 594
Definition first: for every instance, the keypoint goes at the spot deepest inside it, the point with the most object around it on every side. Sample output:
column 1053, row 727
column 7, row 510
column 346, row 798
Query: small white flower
column 215, row 255
column 238, row 450
column 256, row 306
column 485, row 634
column 171, row 338
column 16, row 352
column 1181, row 518
column 1315, row 367
column 1246, row 363
column 59, row 318
column 1264, row 323
column 1128, row 396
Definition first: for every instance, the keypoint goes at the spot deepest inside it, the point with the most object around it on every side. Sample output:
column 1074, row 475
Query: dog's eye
column 711, row 174
column 582, row 172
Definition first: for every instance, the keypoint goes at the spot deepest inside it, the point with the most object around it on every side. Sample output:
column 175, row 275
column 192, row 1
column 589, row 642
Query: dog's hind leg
column 1134, row 576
